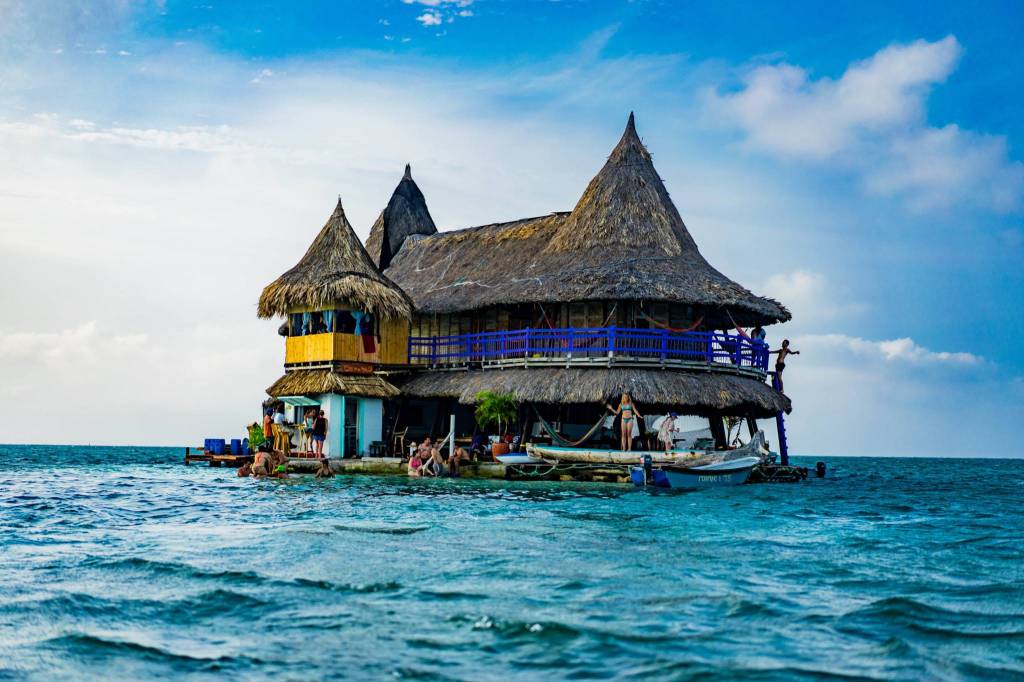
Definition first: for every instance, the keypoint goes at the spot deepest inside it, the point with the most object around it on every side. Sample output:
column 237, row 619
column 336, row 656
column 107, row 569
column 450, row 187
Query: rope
column 565, row 442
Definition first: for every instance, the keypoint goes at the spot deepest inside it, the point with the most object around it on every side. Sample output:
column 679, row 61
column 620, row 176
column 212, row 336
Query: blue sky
column 164, row 161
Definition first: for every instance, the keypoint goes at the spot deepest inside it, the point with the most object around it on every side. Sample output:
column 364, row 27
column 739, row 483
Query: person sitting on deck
column 415, row 465
column 325, row 470
column 455, row 459
column 629, row 414
column 435, row 465
column 668, row 425
column 424, row 448
column 319, row 434
column 780, row 362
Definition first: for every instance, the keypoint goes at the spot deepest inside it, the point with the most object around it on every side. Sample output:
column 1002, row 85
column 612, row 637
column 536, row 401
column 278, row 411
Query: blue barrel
column 246, row 450
column 218, row 446
column 208, row 445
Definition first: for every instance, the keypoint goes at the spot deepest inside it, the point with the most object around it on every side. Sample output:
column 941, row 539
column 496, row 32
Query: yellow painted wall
column 392, row 348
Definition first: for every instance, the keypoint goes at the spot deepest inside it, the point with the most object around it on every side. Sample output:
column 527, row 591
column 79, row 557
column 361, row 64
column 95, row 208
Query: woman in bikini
column 627, row 410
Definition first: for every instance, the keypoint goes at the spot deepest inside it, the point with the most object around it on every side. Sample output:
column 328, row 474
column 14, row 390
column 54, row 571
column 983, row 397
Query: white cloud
column 429, row 19
column 873, row 120
column 810, row 297
column 902, row 350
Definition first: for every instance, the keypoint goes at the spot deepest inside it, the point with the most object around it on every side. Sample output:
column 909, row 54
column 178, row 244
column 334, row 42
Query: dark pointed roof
column 624, row 240
column 405, row 215
column 336, row 268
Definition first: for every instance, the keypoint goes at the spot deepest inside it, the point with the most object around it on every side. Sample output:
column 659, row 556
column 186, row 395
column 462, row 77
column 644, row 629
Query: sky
column 161, row 162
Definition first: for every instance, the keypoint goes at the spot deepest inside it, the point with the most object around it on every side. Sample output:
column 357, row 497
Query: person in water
column 629, row 414
column 325, row 470
column 668, row 425
column 319, row 434
column 261, row 465
column 780, row 362
column 245, row 470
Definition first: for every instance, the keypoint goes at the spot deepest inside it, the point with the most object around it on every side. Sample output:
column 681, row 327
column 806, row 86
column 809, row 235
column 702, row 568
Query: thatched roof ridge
column 336, row 267
column 624, row 240
column 691, row 392
column 405, row 215
column 313, row 381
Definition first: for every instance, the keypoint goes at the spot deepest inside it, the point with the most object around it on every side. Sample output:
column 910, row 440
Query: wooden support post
column 718, row 430
column 751, row 425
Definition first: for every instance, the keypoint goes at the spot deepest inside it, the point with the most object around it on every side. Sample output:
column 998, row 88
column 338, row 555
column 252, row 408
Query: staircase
column 780, row 424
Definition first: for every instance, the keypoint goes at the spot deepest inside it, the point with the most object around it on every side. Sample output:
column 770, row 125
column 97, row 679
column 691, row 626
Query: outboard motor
column 648, row 465
column 819, row 469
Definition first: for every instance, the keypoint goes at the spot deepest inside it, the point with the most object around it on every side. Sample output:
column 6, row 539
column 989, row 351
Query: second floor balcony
column 604, row 346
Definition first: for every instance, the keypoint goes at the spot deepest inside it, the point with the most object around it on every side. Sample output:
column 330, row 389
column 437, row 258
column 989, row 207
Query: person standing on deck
column 319, row 434
column 780, row 362
column 629, row 414
column 668, row 425
column 268, row 428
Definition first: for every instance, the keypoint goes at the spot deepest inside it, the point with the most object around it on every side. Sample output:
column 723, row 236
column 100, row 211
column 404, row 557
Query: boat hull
column 718, row 475
column 691, row 458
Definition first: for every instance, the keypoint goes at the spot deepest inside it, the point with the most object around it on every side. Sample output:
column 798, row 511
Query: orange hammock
column 659, row 325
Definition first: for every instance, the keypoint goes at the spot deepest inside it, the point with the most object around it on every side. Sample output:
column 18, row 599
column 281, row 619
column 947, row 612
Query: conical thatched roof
column 624, row 240
column 405, row 215
column 336, row 268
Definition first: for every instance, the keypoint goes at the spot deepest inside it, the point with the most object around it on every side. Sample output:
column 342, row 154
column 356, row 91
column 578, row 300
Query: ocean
column 122, row 563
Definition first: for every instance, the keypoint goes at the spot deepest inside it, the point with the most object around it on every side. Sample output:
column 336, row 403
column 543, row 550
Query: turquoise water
column 120, row 563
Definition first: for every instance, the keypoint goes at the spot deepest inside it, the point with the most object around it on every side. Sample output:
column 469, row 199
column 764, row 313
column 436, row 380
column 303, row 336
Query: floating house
column 563, row 311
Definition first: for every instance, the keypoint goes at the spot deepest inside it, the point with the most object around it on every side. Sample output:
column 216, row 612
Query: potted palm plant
column 497, row 409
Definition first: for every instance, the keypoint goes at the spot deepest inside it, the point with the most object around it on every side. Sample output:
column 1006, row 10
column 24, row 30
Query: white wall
column 334, row 409
column 371, row 422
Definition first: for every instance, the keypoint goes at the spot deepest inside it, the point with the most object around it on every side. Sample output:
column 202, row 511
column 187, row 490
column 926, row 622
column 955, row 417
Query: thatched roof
column 313, row 381
column 336, row 268
column 697, row 393
column 405, row 215
column 624, row 240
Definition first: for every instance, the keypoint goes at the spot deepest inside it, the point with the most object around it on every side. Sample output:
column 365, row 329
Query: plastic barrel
column 245, row 447
column 236, row 446
column 218, row 446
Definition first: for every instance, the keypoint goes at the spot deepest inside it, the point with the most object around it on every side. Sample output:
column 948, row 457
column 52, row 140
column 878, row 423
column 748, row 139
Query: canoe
column 717, row 475
column 553, row 453
column 519, row 458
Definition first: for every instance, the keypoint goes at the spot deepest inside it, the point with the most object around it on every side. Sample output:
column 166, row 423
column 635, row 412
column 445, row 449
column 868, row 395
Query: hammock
column 659, row 325
column 562, row 440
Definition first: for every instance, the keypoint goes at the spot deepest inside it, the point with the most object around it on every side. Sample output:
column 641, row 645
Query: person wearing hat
column 668, row 426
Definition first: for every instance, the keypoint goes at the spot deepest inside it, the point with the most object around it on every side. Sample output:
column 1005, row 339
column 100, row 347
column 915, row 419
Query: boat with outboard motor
column 726, row 473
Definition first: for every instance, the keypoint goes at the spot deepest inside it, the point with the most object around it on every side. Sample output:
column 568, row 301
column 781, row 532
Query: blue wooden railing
column 571, row 344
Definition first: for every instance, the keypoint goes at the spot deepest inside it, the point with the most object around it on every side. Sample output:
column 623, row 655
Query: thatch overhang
column 624, row 240
column 692, row 392
column 313, row 381
column 406, row 215
column 336, row 268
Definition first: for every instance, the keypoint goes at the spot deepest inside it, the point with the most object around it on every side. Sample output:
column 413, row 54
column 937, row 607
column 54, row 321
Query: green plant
column 495, row 408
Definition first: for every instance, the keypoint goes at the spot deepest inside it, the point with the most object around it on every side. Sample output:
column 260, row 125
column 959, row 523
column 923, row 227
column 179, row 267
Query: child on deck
column 780, row 362
column 668, row 425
